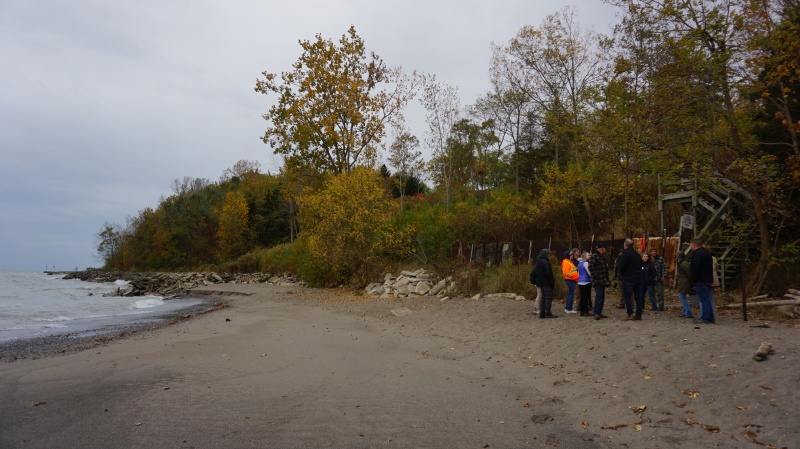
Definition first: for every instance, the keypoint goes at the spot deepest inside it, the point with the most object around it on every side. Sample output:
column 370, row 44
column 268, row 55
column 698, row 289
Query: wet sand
column 292, row 367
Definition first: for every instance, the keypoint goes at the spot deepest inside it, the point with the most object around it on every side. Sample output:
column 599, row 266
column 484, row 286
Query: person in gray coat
column 545, row 281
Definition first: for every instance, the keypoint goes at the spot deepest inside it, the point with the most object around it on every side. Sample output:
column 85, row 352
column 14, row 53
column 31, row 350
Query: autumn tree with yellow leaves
column 334, row 106
column 347, row 225
column 233, row 229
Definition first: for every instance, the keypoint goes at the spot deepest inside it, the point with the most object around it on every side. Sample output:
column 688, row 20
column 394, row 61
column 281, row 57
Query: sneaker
column 597, row 317
column 702, row 322
column 637, row 318
column 569, row 311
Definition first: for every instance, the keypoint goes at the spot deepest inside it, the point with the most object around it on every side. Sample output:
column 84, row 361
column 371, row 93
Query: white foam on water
column 58, row 318
column 34, row 304
column 148, row 303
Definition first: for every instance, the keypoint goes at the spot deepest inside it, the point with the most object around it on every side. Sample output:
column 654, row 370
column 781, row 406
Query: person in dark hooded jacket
column 545, row 281
column 683, row 284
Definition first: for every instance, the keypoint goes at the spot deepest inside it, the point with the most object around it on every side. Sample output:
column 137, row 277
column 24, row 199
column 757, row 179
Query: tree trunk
column 761, row 271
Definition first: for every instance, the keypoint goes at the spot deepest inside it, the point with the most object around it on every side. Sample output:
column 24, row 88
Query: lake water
column 37, row 305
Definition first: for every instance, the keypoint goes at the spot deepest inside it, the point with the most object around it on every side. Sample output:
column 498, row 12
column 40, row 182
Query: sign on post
column 687, row 221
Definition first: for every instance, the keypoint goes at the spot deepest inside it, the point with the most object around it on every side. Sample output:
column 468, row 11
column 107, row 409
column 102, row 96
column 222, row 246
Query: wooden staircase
column 723, row 218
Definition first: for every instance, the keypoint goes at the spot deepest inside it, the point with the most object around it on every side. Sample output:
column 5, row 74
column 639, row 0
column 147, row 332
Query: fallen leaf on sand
column 750, row 434
column 681, row 405
column 37, row 403
column 637, row 427
column 690, row 421
column 690, row 412
column 614, row 427
column 691, row 393
column 648, row 377
column 638, row 408
column 712, row 429
column 526, row 405
column 584, row 423
column 741, row 407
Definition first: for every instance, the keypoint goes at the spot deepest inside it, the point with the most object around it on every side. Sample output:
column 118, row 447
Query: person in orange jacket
column 569, row 268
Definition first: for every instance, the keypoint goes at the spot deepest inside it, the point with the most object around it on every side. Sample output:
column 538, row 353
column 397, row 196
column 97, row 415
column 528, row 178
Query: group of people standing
column 582, row 272
column 640, row 274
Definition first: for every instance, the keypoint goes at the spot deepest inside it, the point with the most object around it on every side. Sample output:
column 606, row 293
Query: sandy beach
column 292, row 367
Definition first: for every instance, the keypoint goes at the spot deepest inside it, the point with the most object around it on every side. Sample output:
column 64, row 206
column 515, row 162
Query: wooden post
column 530, row 251
column 744, row 294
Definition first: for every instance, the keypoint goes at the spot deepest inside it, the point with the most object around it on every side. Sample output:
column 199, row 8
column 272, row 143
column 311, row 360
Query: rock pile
column 411, row 283
column 173, row 285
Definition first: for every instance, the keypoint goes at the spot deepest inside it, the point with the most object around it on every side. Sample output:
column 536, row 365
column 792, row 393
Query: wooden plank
column 783, row 302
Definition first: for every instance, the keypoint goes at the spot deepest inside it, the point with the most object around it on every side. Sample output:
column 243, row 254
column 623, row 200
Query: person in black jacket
column 630, row 271
column 649, row 280
column 702, row 271
column 545, row 281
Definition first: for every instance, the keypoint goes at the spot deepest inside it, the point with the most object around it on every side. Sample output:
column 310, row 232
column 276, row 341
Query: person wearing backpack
column 545, row 281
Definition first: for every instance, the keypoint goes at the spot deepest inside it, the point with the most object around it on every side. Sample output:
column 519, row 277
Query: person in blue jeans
column 683, row 282
column 569, row 269
column 598, row 267
column 702, row 270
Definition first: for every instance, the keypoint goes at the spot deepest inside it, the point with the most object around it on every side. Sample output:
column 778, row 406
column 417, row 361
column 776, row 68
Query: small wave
column 149, row 303
column 36, row 326
column 53, row 320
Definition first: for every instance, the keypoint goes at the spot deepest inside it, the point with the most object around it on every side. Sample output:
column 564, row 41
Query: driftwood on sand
column 764, row 350
column 780, row 302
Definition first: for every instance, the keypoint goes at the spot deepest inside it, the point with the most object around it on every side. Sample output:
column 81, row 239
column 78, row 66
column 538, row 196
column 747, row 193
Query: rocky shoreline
column 177, row 285
column 166, row 285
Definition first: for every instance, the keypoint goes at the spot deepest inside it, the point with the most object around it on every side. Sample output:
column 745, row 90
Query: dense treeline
column 575, row 138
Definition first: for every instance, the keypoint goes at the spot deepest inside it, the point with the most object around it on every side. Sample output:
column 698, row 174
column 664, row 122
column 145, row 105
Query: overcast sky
column 103, row 103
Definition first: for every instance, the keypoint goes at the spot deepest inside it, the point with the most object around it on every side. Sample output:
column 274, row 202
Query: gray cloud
column 103, row 104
